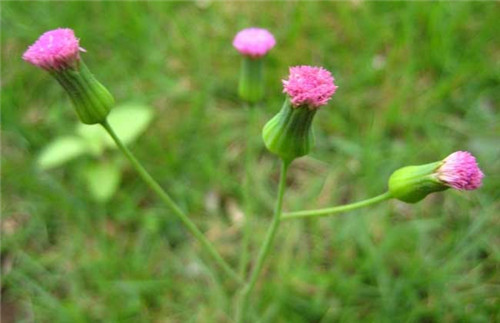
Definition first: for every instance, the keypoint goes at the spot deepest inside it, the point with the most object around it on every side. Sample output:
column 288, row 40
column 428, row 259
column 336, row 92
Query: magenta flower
column 310, row 86
column 58, row 52
column 254, row 42
column 55, row 50
column 460, row 171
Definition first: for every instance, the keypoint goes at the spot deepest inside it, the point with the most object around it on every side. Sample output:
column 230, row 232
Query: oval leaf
column 94, row 136
column 60, row 151
column 102, row 180
column 129, row 121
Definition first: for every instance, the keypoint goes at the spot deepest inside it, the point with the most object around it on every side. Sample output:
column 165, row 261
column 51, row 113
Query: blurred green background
column 417, row 81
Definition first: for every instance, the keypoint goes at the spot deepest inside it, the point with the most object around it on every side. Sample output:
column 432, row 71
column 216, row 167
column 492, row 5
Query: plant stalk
column 148, row 179
column 266, row 246
column 247, row 191
column 336, row 209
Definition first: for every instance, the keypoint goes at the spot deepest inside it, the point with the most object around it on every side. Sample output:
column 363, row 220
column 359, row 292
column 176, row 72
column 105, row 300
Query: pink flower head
column 254, row 42
column 309, row 85
column 54, row 50
column 460, row 171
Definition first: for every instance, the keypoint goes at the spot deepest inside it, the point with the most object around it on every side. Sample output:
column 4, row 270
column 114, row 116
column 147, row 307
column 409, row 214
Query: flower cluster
column 289, row 134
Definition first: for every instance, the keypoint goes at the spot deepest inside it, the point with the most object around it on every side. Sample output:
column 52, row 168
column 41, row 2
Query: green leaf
column 94, row 137
column 102, row 180
column 60, row 151
column 128, row 121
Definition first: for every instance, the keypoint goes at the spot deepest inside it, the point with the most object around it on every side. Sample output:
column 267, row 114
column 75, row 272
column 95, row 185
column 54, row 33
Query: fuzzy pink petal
column 309, row 85
column 460, row 171
column 54, row 50
column 254, row 42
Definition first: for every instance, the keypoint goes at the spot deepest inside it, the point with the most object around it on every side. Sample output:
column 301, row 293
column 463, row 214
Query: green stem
column 336, row 209
column 251, row 84
column 266, row 246
column 171, row 204
column 247, row 191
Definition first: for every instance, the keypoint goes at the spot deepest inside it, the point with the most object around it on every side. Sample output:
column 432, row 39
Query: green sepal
column 289, row 133
column 251, row 85
column 91, row 99
column 411, row 184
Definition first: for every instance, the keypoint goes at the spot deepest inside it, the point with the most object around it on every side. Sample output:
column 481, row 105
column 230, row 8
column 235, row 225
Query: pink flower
column 309, row 85
column 460, row 171
column 254, row 42
column 54, row 50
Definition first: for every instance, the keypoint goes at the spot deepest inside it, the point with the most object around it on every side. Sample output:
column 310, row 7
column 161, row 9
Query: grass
column 417, row 81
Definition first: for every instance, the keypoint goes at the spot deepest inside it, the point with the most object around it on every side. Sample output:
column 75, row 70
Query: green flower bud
column 251, row 86
column 92, row 100
column 413, row 183
column 459, row 170
column 289, row 134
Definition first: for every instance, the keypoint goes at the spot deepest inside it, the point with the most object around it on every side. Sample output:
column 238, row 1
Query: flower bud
column 289, row 134
column 58, row 52
column 413, row 183
column 253, row 44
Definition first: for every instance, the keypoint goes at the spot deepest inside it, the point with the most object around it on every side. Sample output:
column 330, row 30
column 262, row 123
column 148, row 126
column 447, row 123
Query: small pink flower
column 309, row 85
column 55, row 50
column 254, row 42
column 460, row 171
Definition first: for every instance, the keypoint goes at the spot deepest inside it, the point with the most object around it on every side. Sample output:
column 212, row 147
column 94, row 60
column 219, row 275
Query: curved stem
column 336, row 209
column 171, row 204
column 247, row 191
column 266, row 246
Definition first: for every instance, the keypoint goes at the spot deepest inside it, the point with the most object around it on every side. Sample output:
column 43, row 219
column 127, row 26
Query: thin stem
column 266, row 246
column 336, row 209
column 247, row 190
column 171, row 204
